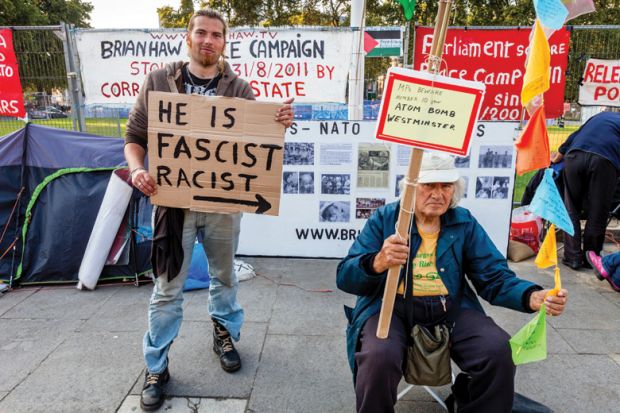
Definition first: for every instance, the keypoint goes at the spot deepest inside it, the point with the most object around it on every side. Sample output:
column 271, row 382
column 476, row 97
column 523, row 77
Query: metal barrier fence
column 48, row 67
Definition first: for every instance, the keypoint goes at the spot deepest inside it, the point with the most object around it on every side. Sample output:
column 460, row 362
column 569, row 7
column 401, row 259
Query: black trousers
column 589, row 184
column 478, row 346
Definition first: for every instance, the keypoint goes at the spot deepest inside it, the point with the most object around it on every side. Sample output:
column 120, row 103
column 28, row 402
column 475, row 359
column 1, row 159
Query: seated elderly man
column 447, row 247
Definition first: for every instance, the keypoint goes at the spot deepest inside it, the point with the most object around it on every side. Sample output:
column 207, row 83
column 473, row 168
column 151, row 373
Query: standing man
column 591, row 165
column 174, row 230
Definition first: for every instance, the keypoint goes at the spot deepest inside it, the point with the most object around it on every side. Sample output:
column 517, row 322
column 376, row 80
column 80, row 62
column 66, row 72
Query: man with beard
column 175, row 230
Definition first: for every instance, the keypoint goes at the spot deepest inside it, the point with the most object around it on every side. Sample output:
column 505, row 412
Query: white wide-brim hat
column 437, row 167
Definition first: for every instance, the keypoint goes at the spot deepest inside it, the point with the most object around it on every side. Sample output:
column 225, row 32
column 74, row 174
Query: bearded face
column 206, row 41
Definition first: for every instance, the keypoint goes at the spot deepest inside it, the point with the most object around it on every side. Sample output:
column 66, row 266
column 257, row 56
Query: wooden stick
column 406, row 204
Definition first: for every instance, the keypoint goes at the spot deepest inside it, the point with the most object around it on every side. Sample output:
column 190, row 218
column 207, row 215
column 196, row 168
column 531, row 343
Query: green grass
column 100, row 126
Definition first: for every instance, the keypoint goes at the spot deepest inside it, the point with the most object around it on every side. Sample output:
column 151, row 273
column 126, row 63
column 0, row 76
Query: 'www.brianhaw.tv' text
column 343, row 234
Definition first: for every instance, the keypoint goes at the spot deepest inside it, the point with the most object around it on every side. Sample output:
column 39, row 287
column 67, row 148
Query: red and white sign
column 601, row 83
column 497, row 58
column 429, row 111
column 11, row 95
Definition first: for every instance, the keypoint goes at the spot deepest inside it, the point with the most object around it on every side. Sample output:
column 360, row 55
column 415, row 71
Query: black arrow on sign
column 261, row 204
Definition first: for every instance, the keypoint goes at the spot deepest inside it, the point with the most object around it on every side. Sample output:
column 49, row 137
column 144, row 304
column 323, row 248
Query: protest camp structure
column 52, row 183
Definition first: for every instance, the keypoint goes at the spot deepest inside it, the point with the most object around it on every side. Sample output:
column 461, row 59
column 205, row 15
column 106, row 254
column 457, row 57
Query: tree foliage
column 45, row 12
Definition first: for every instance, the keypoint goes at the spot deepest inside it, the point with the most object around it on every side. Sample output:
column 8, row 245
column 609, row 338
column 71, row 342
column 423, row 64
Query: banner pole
column 413, row 171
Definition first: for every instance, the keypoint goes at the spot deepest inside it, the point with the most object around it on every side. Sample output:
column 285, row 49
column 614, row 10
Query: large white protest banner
column 335, row 174
column 308, row 64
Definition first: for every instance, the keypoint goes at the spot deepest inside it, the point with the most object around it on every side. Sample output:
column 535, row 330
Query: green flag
column 408, row 7
column 530, row 343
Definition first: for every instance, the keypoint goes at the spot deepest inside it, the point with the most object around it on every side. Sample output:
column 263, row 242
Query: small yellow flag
column 548, row 253
column 536, row 79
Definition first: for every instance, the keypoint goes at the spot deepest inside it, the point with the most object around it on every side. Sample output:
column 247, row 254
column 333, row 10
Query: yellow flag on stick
column 536, row 79
column 558, row 283
column 548, row 253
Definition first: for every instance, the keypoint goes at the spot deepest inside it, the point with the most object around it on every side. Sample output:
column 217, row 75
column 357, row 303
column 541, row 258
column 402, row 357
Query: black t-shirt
column 197, row 85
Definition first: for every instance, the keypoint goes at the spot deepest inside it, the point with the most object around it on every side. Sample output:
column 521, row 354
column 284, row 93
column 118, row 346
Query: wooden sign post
column 408, row 199
column 215, row 154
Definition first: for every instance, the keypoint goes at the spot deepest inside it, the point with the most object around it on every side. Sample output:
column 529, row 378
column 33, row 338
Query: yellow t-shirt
column 426, row 279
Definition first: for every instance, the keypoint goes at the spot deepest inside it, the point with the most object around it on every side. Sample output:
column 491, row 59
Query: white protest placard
column 601, row 83
column 215, row 154
column 308, row 64
column 429, row 111
column 336, row 174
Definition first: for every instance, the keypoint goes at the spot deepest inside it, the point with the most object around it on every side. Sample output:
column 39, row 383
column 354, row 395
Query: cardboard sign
column 601, row 83
column 215, row 154
column 429, row 111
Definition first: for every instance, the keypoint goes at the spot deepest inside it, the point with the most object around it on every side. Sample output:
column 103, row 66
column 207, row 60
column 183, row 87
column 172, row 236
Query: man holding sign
column 174, row 230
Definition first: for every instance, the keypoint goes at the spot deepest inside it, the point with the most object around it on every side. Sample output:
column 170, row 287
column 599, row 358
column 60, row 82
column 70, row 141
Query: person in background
column 591, row 165
column 606, row 268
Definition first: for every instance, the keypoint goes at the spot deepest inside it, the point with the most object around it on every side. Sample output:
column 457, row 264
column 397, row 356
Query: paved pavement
column 64, row 350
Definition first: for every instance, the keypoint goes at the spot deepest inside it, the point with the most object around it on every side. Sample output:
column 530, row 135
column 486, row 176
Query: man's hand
column 144, row 182
column 393, row 252
column 285, row 113
column 554, row 303
column 556, row 157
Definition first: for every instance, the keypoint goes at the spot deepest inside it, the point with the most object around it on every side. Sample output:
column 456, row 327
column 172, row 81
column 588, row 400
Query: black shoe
column 224, row 348
column 153, row 395
column 575, row 265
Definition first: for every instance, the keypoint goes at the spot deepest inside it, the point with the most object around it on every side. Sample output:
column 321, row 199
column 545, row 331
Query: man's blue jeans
column 220, row 239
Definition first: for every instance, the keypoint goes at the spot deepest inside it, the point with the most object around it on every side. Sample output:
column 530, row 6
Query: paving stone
column 616, row 358
column 592, row 341
column 24, row 344
column 188, row 404
column 512, row 321
column 61, row 303
column 195, row 369
column 10, row 299
column 572, row 383
column 3, row 394
column 307, row 313
column 88, row 372
column 303, row 374
column 129, row 304
column 406, row 406
column 611, row 296
column 256, row 297
column 584, row 310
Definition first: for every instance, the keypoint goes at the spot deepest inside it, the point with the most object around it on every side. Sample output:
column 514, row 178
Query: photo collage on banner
column 336, row 174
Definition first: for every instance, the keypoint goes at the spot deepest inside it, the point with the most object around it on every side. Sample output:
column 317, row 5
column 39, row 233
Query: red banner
column 11, row 95
column 497, row 58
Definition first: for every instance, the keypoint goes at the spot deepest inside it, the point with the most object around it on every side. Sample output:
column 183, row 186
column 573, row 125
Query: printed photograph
column 397, row 186
column 500, row 187
column 499, row 156
column 290, row 182
column 373, row 160
column 364, row 207
column 298, row 153
column 461, row 162
column 484, row 184
column 338, row 211
column 466, row 179
column 336, row 184
column 492, row 187
column 306, row 182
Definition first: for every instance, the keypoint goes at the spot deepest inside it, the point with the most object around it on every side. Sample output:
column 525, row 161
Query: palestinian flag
column 383, row 42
